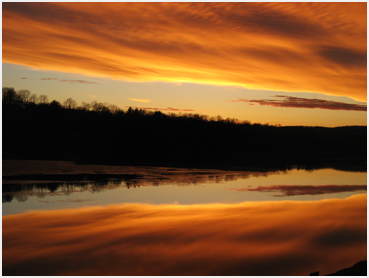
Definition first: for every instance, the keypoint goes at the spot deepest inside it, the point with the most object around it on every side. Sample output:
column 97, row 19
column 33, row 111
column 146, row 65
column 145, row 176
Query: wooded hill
column 101, row 133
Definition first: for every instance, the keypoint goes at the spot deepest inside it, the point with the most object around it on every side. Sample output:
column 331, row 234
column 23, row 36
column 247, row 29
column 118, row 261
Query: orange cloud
column 252, row 238
column 140, row 100
column 300, row 47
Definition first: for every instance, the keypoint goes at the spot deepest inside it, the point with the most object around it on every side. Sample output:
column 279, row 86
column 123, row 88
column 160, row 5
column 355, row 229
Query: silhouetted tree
column 33, row 98
column 55, row 104
column 24, row 95
column 219, row 118
column 10, row 96
column 99, row 107
column 157, row 114
column 85, row 106
column 43, row 99
column 70, row 103
column 113, row 108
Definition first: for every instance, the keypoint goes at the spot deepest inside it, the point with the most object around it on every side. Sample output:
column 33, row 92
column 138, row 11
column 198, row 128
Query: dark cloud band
column 297, row 102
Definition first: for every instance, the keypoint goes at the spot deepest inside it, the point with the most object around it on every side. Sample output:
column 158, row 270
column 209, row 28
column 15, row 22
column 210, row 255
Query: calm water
column 113, row 220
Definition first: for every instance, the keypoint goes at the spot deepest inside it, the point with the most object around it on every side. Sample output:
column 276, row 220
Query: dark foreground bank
column 358, row 269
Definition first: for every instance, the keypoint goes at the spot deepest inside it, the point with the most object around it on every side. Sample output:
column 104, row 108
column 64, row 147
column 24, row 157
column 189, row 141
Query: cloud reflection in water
column 292, row 190
column 264, row 238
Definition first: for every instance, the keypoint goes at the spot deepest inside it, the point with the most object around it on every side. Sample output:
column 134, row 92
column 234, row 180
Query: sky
column 276, row 63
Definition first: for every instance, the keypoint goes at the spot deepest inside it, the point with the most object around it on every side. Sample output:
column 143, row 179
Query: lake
column 60, row 218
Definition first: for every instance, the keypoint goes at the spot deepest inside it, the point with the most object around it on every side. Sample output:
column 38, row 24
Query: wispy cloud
column 140, row 100
column 78, row 81
column 49, row 78
column 65, row 80
column 292, row 190
column 297, row 102
column 169, row 109
column 295, row 47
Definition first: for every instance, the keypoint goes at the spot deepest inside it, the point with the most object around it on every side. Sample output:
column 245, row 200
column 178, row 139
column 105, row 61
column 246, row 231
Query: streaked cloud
column 65, row 80
column 169, row 109
column 297, row 102
column 78, row 81
column 292, row 190
column 140, row 100
column 295, row 47
column 49, row 78
column 246, row 239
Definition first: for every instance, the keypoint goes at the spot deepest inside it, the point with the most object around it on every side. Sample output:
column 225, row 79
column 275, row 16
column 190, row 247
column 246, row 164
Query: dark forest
column 34, row 128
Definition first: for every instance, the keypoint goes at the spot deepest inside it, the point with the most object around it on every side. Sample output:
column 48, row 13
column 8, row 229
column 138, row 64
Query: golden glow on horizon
column 266, row 238
column 296, row 47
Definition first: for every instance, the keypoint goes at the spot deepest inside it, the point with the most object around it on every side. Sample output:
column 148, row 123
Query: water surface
column 114, row 220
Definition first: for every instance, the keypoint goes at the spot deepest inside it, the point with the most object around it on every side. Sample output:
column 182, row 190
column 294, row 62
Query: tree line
column 23, row 98
column 34, row 128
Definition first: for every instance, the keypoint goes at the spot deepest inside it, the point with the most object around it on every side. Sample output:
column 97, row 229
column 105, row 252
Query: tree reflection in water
column 101, row 182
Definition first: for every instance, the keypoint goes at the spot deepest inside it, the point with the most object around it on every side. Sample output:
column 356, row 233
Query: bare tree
column 43, row 99
column 10, row 96
column 86, row 106
column 99, row 107
column 70, row 103
column 33, row 98
column 24, row 95
column 113, row 108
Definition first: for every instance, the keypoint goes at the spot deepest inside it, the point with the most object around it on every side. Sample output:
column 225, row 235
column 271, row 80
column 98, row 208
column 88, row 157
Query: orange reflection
column 267, row 238
column 298, row 47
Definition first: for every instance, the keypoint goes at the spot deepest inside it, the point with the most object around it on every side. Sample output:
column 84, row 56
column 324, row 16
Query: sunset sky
column 276, row 63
